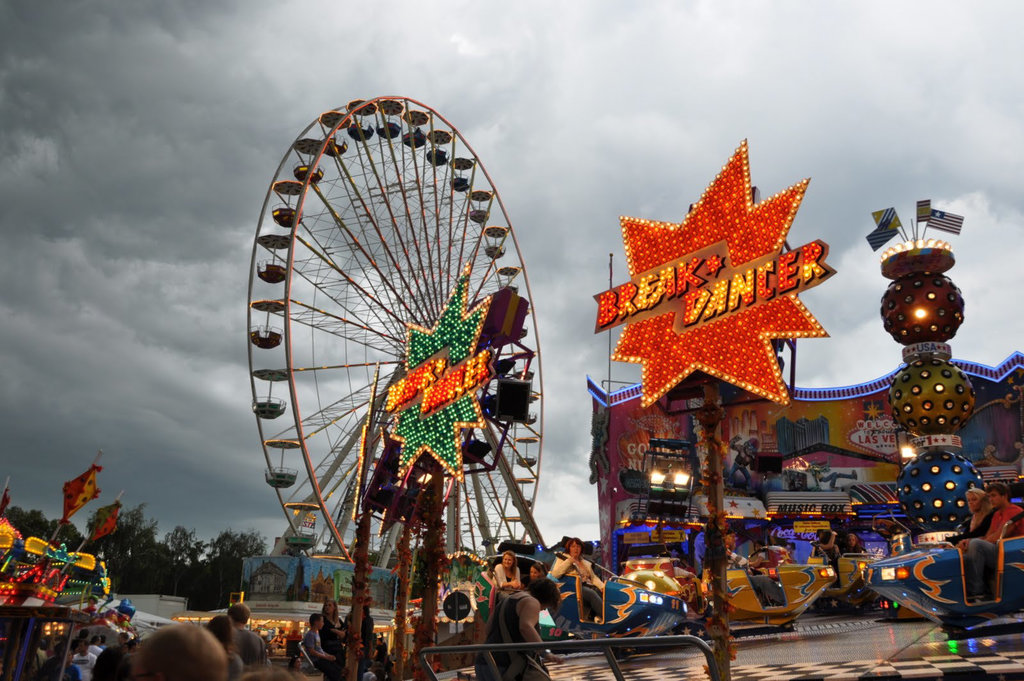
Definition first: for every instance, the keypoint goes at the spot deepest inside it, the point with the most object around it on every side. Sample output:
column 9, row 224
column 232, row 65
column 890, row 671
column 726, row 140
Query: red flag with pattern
column 79, row 492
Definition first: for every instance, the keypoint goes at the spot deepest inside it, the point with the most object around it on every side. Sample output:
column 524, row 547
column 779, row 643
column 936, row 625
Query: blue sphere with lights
column 932, row 488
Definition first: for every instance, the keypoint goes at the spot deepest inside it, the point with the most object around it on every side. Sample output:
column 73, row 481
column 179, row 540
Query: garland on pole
column 709, row 416
column 402, row 606
column 360, row 597
column 435, row 560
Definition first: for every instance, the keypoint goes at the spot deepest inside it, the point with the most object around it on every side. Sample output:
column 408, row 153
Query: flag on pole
column 79, row 492
column 309, row 522
column 924, row 210
column 947, row 222
column 106, row 521
column 887, row 225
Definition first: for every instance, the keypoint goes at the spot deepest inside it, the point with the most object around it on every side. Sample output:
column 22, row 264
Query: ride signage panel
column 712, row 292
column 437, row 399
column 805, row 526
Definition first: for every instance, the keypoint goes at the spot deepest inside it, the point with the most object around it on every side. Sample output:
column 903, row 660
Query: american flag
column 947, row 222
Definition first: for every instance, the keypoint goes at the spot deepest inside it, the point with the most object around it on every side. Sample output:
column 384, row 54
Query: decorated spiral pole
column 930, row 397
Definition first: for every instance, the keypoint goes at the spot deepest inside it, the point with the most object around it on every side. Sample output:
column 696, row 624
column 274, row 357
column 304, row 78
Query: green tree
column 223, row 573
column 186, row 558
column 33, row 523
column 136, row 561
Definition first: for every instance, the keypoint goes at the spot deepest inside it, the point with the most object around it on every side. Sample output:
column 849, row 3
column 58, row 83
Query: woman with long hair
column 224, row 631
column 332, row 635
column 981, row 516
column 506, row 573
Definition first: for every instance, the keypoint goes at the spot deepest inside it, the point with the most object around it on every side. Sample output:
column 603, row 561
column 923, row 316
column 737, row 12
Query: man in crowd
column 249, row 646
column 323, row 661
column 981, row 553
column 83, row 659
column 516, row 619
column 180, row 652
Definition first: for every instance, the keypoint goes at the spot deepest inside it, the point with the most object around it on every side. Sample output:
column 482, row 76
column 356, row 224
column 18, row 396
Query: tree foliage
column 180, row 564
column 32, row 523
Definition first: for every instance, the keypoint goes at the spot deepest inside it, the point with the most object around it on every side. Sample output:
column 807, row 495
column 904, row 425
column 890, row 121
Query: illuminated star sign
column 436, row 400
column 711, row 293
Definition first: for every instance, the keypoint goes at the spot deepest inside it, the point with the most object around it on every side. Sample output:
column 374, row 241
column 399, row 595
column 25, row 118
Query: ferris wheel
column 373, row 214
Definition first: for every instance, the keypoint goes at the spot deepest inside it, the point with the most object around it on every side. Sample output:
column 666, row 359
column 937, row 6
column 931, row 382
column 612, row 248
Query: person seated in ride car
column 538, row 570
column 853, row 544
column 506, row 573
column 981, row 517
column 765, row 556
column 982, row 552
column 574, row 564
column 768, row 591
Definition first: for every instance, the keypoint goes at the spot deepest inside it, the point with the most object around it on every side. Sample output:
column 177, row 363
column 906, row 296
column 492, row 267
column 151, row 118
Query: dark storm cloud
column 137, row 141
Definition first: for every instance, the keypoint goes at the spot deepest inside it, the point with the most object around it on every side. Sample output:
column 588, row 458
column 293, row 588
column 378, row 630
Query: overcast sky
column 137, row 141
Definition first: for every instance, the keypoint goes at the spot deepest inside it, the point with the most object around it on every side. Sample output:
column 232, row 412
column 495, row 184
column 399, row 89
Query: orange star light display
column 711, row 293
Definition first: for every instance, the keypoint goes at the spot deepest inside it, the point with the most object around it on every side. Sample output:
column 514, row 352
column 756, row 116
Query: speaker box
column 513, row 403
column 768, row 463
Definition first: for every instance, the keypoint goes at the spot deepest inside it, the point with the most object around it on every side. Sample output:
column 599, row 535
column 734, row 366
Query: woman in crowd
column 332, row 635
column 224, row 631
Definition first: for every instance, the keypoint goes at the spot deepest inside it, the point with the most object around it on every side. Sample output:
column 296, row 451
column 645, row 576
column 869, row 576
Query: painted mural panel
column 824, row 440
column 299, row 578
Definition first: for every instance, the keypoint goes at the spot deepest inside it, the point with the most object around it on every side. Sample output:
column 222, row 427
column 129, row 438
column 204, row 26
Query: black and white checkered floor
column 1001, row 667
column 821, row 651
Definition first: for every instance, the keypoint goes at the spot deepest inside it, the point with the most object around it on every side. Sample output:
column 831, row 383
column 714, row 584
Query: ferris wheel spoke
column 391, row 217
column 400, row 163
column 384, row 186
column 433, row 205
column 334, row 324
column 397, row 298
column 373, row 275
column 370, row 301
column 420, row 223
column 329, row 367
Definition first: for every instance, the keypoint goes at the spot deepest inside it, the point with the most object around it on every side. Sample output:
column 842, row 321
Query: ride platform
column 831, row 648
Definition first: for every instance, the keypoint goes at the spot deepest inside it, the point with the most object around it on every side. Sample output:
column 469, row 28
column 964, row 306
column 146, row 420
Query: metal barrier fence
column 606, row 645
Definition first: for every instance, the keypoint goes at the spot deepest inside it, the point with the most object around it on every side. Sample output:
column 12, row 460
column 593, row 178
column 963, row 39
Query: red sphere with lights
column 922, row 306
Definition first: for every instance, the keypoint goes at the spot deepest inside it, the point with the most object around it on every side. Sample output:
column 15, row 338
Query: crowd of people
column 224, row 649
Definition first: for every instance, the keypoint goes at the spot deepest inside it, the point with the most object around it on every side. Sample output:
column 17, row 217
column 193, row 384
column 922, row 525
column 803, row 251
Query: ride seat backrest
column 1008, row 524
column 308, row 667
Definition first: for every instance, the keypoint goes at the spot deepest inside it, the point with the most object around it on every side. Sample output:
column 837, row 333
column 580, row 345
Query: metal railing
column 606, row 645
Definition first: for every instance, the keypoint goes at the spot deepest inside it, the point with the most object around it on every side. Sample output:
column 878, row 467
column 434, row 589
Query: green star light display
column 440, row 433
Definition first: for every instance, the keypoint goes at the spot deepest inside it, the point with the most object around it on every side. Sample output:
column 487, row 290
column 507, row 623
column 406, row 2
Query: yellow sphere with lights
column 931, row 397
